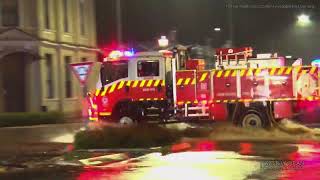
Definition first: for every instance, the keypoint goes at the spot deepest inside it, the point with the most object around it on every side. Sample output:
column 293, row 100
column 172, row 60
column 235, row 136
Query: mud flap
column 218, row 111
column 282, row 110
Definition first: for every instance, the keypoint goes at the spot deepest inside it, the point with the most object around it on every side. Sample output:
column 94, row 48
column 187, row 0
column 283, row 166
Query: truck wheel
column 126, row 121
column 253, row 119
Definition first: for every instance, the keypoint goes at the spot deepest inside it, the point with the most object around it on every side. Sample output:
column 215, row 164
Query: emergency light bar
column 115, row 54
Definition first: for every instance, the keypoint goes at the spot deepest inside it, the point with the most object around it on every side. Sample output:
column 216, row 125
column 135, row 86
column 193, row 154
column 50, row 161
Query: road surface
column 205, row 160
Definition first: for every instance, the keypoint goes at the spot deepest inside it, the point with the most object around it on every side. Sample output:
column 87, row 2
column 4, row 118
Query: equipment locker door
column 254, row 83
column 225, row 85
column 280, row 80
column 203, row 86
column 186, row 86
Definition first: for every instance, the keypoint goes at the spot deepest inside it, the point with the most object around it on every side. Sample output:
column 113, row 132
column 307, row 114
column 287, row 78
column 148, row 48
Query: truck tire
column 126, row 121
column 124, row 114
column 253, row 119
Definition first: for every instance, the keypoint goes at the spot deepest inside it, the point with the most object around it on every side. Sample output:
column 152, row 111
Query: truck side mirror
column 103, row 77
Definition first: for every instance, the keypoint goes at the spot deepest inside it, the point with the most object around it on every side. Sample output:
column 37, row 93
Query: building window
column 84, row 59
column 46, row 10
column 148, row 68
column 30, row 14
column 82, row 17
column 49, row 80
column 68, row 81
column 10, row 13
column 65, row 16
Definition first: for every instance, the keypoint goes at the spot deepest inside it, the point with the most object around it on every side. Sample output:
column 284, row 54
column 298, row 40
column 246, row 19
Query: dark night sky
column 266, row 29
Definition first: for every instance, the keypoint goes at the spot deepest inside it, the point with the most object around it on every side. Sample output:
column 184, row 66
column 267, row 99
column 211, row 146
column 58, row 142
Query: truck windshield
column 112, row 71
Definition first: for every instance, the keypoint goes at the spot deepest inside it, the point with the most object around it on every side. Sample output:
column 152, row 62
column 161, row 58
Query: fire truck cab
column 136, row 87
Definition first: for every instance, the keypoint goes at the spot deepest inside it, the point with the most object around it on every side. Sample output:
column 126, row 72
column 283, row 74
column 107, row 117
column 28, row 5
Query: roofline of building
column 69, row 45
column 56, row 43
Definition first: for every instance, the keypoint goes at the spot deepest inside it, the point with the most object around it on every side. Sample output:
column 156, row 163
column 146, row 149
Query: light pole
column 119, row 22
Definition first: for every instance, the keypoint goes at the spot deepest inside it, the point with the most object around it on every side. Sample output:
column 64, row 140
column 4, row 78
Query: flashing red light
column 166, row 53
column 180, row 147
column 206, row 145
column 246, row 148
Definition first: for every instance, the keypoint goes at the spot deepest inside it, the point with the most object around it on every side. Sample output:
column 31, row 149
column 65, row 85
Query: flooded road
column 219, row 161
column 206, row 160
column 203, row 159
column 24, row 149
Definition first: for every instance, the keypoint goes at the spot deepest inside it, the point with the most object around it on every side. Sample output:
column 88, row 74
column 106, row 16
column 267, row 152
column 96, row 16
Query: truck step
column 152, row 108
column 152, row 115
column 196, row 108
column 199, row 115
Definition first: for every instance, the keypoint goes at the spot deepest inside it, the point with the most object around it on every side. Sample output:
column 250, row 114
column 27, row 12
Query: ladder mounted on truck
column 234, row 54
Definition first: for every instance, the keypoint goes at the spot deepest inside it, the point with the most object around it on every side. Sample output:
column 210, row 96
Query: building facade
column 38, row 41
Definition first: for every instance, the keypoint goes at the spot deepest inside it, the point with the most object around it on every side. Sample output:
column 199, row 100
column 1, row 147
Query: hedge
column 27, row 119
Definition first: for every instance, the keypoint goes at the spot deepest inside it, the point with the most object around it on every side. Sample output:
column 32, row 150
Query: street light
column 217, row 29
column 303, row 20
column 163, row 42
column 216, row 35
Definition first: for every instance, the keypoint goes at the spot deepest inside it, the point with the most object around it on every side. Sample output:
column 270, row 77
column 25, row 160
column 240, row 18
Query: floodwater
column 218, row 160
column 229, row 153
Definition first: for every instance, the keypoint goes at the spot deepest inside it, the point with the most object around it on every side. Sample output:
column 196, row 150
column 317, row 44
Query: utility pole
column 119, row 22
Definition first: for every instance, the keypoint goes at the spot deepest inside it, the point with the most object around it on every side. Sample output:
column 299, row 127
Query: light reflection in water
column 306, row 163
column 64, row 138
column 187, row 165
column 303, row 160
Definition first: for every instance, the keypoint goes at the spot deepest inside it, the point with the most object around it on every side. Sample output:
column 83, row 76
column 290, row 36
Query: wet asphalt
column 204, row 160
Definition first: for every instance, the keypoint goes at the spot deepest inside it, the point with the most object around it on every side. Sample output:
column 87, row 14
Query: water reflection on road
column 209, row 160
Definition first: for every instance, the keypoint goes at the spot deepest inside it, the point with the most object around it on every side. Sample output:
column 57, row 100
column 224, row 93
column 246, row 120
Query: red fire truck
column 250, row 91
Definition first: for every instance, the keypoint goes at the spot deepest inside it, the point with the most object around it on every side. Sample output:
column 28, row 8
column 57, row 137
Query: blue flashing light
column 315, row 62
column 129, row 53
